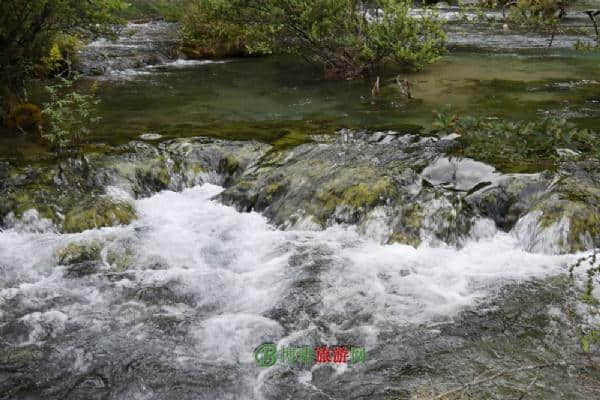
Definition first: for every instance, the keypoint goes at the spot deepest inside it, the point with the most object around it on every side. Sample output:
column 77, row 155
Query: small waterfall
column 137, row 47
column 193, row 287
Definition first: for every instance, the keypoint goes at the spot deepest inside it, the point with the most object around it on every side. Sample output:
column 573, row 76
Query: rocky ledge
column 392, row 187
column 404, row 188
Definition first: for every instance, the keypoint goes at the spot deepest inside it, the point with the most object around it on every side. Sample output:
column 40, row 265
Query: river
column 174, row 305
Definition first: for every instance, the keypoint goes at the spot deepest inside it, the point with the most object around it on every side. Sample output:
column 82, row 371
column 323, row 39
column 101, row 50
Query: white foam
column 191, row 63
column 225, row 270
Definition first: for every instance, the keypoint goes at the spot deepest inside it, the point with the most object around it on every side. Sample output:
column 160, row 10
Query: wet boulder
column 566, row 217
column 98, row 213
column 373, row 181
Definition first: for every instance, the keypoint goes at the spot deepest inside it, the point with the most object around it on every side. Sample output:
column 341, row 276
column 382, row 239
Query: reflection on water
column 266, row 98
column 184, row 101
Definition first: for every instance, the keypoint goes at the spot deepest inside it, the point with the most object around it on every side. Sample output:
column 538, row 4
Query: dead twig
column 404, row 86
column 375, row 92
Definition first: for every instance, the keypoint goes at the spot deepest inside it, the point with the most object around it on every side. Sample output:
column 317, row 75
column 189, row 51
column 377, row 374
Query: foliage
column 536, row 15
column 586, row 46
column 68, row 115
column 29, row 31
column 348, row 38
column 214, row 28
column 62, row 56
column 509, row 144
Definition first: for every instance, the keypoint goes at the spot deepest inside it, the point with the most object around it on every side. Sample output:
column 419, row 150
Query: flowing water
column 206, row 285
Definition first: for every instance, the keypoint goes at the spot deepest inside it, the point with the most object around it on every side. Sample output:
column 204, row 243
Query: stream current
column 210, row 284
column 205, row 285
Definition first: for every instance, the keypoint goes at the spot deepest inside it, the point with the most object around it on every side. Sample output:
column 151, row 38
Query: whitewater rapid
column 207, row 284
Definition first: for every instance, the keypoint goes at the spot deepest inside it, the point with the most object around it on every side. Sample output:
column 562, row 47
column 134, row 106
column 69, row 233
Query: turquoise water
column 272, row 99
column 195, row 99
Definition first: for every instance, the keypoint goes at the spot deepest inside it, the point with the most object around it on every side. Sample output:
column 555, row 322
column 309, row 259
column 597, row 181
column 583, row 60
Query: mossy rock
column 353, row 190
column 152, row 177
column 121, row 255
column 405, row 238
column 407, row 225
column 577, row 202
column 229, row 165
column 368, row 194
column 21, row 355
column 590, row 339
column 21, row 202
column 103, row 212
column 75, row 253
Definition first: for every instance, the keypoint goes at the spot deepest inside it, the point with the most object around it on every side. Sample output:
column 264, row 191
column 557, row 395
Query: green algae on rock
column 79, row 252
column 568, row 211
column 103, row 212
column 405, row 183
column 72, row 193
column 355, row 178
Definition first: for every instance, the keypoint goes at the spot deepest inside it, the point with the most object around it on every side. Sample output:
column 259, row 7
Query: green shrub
column 213, row 28
column 347, row 38
column 35, row 31
column 537, row 15
column 518, row 146
column 62, row 56
column 68, row 115
column 171, row 10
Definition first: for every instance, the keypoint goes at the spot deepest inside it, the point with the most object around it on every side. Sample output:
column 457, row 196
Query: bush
column 171, row 10
column 212, row 28
column 32, row 33
column 518, row 146
column 349, row 38
column 537, row 14
column 62, row 57
column 68, row 115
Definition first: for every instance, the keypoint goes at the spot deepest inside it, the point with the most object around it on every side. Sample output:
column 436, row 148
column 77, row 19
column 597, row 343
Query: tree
column 349, row 38
column 29, row 27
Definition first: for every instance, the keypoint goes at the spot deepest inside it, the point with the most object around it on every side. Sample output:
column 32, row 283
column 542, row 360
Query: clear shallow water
column 240, row 96
column 145, row 89
column 207, row 285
